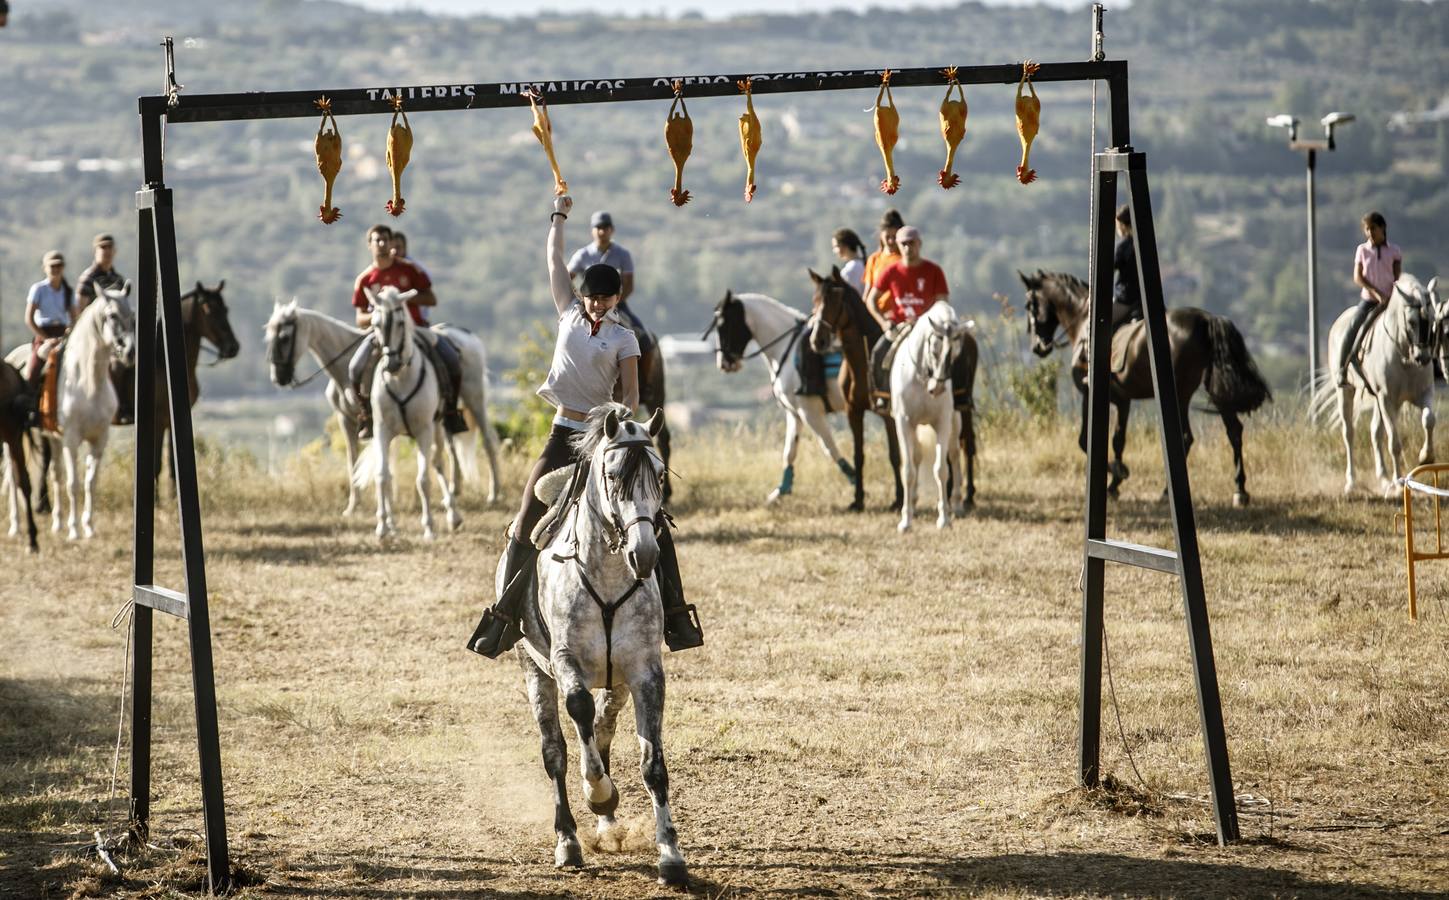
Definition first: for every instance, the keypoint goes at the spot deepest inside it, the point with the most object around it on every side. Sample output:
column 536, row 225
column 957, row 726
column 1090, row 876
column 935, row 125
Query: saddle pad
column 49, row 395
column 1122, row 339
column 557, row 489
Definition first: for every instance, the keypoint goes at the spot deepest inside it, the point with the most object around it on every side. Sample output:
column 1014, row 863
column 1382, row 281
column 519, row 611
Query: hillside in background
column 1228, row 193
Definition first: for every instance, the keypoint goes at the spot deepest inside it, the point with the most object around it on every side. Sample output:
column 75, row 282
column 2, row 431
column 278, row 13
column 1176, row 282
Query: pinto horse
column 1206, row 349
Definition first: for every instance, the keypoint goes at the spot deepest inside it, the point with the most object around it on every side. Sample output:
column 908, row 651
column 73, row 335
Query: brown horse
column 14, row 413
column 839, row 311
column 1207, row 350
column 203, row 317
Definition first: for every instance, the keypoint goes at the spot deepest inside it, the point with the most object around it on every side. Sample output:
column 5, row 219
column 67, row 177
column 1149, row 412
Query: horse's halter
column 282, row 351
column 1042, row 326
column 215, row 321
column 389, row 327
column 938, row 362
column 118, row 329
column 1419, row 325
column 834, row 328
column 612, row 487
column 732, row 333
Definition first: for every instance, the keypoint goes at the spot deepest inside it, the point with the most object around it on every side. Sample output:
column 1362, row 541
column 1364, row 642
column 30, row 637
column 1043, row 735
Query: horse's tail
column 1323, row 398
column 368, row 465
column 465, row 453
column 1233, row 380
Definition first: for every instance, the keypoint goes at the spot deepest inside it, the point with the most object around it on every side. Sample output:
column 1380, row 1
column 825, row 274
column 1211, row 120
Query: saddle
column 882, row 355
column 51, row 354
column 816, row 370
column 1122, row 339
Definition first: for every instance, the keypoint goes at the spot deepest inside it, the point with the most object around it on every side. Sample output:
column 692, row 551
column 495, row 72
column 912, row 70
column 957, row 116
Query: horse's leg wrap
column 681, row 622
column 498, row 629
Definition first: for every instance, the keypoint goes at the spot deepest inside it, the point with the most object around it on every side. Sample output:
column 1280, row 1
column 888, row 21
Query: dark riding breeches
column 557, row 453
column 1349, row 347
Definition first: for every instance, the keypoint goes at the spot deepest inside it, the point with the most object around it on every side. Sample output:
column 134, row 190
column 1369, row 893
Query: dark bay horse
column 203, row 317
column 1207, row 350
column 14, row 412
column 840, row 311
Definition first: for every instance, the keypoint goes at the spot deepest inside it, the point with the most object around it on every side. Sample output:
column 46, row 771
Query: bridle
column 1033, row 305
column 938, row 364
column 283, row 353
column 390, row 326
column 717, row 325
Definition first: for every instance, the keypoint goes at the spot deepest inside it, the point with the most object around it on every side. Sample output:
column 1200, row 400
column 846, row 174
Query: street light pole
column 1311, row 148
column 1312, row 269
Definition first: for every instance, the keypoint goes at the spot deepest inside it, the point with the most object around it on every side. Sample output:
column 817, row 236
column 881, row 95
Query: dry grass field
column 873, row 714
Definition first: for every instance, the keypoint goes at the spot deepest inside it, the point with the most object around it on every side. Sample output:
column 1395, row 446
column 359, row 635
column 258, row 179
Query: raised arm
column 559, row 281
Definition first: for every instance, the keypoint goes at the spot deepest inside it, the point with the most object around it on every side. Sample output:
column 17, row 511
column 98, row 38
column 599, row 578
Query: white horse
column 921, row 395
column 86, row 401
column 597, row 625
column 1397, row 368
column 778, row 330
column 293, row 330
column 406, row 394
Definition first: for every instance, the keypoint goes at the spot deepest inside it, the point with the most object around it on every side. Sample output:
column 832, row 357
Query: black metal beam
column 422, row 98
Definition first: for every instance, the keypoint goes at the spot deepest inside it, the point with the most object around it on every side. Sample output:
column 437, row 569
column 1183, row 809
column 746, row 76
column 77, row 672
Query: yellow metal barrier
column 1412, row 484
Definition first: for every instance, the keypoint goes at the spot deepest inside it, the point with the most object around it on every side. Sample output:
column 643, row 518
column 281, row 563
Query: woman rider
column 595, row 350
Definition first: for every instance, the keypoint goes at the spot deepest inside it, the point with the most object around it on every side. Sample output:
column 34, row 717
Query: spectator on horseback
column 886, row 253
column 102, row 273
column 400, row 252
column 386, row 270
column 1377, row 265
column 49, row 312
column 848, row 247
column 1126, row 294
column 912, row 285
column 595, row 350
column 604, row 250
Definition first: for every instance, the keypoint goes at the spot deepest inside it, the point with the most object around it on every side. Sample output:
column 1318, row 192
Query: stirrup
column 682, row 630
column 494, row 635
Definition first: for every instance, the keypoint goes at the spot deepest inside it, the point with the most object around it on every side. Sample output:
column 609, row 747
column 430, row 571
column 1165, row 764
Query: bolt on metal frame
column 157, row 267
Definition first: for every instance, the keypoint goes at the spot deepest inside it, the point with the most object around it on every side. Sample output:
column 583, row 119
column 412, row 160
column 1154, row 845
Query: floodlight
column 1283, row 120
column 1336, row 118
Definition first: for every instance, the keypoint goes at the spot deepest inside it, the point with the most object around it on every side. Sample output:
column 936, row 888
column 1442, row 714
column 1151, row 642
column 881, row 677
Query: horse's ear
column 1025, row 279
column 221, row 284
column 1432, row 285
column 729, row 295
column 199, row 288
column 406, row 296
column 371, row 297
column 835, row 274
column 126, row 288
column 813, row 277
column 655, row 423
column 611, row 425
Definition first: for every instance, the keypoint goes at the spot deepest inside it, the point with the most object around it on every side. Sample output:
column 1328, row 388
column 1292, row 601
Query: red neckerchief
column 593, row 326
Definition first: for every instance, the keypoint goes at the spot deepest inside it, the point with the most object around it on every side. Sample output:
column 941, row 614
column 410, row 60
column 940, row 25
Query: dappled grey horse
column 595, row 628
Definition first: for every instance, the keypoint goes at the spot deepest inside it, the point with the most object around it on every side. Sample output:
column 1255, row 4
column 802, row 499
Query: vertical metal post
column 144, row 538
column 1104, row 203
column 1180, row 501
column 1312, row 270
column 183, row 455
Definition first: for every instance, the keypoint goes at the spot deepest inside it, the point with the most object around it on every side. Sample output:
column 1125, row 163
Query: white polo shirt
column 586, row 360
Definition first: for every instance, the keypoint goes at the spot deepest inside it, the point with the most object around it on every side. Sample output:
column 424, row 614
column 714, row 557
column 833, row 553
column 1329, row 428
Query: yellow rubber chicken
column 750, row 138
column 679, row 135
column 1028, row 120
column 887, row 132
column 543, row 130
column 953, row 129
column 328, row 148
column 399, row 151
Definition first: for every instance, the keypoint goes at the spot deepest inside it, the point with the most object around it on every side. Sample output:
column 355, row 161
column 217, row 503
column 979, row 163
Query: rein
column 325, row 366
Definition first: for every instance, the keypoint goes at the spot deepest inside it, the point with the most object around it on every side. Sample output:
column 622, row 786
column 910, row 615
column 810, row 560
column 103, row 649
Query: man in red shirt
column 390, row 270
column 914, row 284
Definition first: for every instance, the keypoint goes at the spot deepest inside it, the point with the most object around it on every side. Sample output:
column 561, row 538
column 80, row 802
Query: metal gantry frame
column 157, row 266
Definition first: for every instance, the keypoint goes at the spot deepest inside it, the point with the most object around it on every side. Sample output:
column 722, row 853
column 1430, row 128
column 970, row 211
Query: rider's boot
column 681, row 622
column 123, row 378
column 359, row 372
column 452, row 418
column 1348, row 349
column 34, row 381
column 498, row 630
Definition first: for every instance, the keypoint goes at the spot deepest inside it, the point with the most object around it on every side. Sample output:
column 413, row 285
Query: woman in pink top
column 1377, row 264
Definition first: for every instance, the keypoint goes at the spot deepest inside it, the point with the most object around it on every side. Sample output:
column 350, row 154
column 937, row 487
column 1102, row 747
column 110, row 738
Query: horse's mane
column 1071, row 283
column 799, row 316
column 860, row 317
column 587, row 442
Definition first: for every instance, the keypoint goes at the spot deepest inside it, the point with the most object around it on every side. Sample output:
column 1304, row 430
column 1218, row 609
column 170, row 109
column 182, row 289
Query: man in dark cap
column 102, row 273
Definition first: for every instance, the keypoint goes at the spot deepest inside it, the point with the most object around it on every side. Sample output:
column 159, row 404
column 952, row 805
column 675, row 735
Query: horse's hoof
column 568, row 855
column 857, row 506
column 773, row 497
column 943, row 522
column 894, row 507
column 1240, row 499
column 673, row 874
column 608, row 805
column 904, row 526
